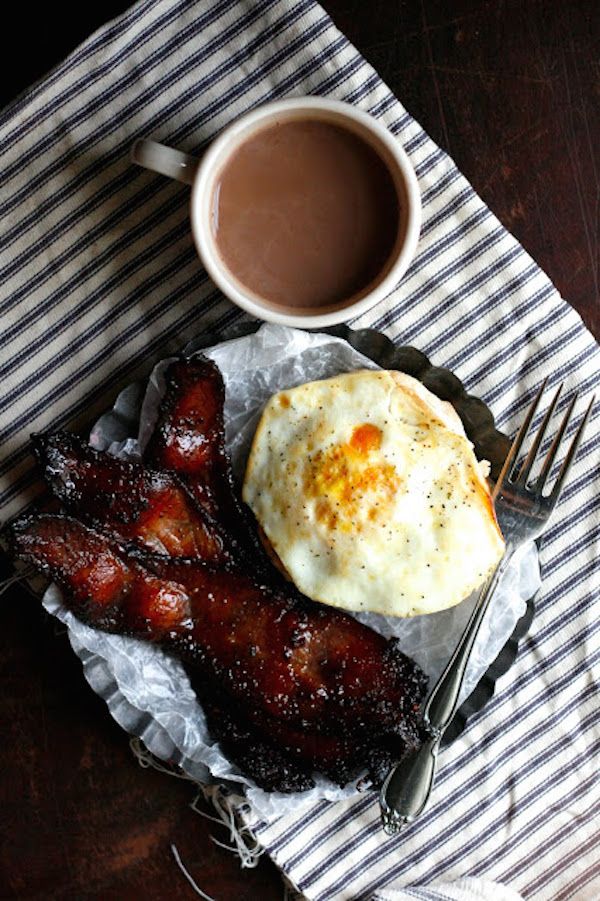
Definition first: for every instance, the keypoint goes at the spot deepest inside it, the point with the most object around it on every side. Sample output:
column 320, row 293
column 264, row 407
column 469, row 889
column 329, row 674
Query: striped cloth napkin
column 100, row 279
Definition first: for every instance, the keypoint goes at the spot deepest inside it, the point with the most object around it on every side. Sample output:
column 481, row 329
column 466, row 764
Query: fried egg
column 370, row 495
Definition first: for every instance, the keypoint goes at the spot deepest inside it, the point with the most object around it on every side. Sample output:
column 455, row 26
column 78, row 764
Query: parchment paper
column 148, row 680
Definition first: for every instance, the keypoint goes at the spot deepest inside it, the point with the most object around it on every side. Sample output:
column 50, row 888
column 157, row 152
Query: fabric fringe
column 187, row 875
column 242, row 841
column 147, row 760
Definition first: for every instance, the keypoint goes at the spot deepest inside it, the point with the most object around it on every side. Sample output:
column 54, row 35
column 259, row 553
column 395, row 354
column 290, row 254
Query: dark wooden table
column 511, row 88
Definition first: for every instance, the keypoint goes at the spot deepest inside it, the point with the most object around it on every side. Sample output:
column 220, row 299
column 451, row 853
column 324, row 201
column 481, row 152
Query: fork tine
column 527, row 466
column 521, row 436
column 571, row 454
column 551, row 455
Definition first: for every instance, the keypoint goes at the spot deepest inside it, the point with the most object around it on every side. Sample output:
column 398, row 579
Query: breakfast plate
column 149, row 693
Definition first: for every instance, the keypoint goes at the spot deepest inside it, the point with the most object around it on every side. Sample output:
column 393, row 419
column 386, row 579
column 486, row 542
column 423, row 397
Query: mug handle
column 164, row 160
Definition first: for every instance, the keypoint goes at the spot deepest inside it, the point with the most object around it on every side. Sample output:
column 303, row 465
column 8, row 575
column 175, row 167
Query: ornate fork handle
column 407, row 788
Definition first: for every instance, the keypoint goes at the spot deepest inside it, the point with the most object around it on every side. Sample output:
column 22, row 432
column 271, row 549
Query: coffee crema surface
column 305, row 214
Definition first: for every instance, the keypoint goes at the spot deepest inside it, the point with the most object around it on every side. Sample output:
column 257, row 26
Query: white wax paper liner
column 147, row 685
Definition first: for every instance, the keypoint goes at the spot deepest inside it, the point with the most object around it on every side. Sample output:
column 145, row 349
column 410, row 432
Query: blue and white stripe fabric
column 100, row 279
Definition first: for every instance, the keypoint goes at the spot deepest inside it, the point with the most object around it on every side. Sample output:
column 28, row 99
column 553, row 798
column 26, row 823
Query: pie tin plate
column 489, row 444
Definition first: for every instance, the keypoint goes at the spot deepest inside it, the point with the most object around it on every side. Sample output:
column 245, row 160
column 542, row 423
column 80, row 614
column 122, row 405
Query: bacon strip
column 189, row 439
column 189, row 436
column 137, row 504
column 291, row 666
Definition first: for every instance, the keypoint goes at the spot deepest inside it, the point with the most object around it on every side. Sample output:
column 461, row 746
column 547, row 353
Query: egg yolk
column 365, row 438
column 348, row 484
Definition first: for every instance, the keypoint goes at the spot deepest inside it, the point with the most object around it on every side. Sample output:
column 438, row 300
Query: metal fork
column 523, row 511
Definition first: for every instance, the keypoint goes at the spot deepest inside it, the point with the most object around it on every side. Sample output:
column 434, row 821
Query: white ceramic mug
column 202, row 174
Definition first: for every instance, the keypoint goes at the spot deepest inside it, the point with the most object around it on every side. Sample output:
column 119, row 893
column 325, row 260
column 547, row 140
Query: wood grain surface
column 511, row 89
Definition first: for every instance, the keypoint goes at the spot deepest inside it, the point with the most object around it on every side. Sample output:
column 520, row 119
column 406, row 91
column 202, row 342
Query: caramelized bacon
column 274, row 769
column 284, row 762
column 292, row 666
column 189, row 439
column 288, row 686
column 189, row 436
column 137, row 504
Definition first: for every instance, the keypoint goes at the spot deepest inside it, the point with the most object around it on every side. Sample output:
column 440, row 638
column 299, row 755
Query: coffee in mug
column 305, row 211
column 305, row 214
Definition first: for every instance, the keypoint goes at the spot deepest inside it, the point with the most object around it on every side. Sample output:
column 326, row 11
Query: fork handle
column 443, row 700
column 407, row 787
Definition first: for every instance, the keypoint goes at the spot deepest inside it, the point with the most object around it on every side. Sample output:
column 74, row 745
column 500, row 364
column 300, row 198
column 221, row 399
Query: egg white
column 371, row 496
